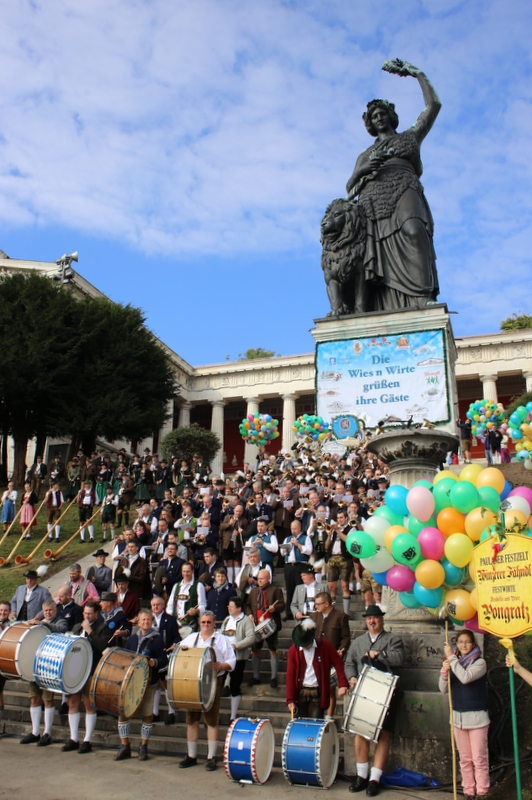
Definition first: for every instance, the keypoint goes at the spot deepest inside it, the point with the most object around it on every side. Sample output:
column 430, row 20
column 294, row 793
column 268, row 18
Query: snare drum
column 192, row 679
column 18, row 645
column 265, row 629
column 370, row 703
column 120, row 682
column 63, row 663
column 249, row 750
column 310, row 752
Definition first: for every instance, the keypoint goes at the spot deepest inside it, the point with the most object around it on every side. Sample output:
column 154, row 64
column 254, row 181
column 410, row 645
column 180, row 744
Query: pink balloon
column 432, row 543
column 420, row 502
column 472, row 625
column 522, row 491
column 401, row 578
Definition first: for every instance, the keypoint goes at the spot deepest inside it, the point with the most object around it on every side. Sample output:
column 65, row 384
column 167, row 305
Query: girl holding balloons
column 467, row 672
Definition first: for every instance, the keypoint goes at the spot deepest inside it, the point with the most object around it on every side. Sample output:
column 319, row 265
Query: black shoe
column 170, row 719
column 85, row 747
column 70, row 745
column 155, row 717
column 63, row 708
column 226, row 692
column 254, row 682
column 45, row 740
column 187, row 762
column 373, row 789
column 358, row 784
column 30, row 738
column 124, row 751
column 143, row 752
column 210, row 766
column 274, row 683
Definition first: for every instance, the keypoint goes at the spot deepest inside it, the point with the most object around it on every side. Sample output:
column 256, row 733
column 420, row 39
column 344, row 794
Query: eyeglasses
column 206, row 622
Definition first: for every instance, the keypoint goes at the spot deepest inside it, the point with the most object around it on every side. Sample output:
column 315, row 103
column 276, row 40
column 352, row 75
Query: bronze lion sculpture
column 343, row 239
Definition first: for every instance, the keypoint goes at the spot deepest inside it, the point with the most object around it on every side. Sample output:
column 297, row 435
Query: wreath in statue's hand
column 399, row 67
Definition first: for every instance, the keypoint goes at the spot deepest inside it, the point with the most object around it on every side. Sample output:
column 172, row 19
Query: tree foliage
column 185, row 442
column 83, row 368
column 517, row 322
column 256, row 352
column 522, row 400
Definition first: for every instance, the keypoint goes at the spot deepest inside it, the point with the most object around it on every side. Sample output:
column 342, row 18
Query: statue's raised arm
column 426, row 119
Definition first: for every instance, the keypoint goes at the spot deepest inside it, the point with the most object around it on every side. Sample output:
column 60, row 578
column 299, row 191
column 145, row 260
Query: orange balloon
column 477, row 520
column 430, row 574
column 514, row 517
column 450, row 521
column 491, row 477
column 458, row 604
column 391, row 533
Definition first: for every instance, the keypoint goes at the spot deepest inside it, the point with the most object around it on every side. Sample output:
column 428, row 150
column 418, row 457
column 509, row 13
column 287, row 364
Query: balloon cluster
column 312, row 426
column 259, row 428
column 520, row 430
column 485, row 415
column 420, row 542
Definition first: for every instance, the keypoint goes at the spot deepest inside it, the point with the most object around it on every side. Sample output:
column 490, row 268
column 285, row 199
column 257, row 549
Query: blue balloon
column 515, row 420
column 453, row 575
column 409, row 600
column 431, row 598
column 529, row 406
column 395, row 499
column 506, row 491
column 380, row 577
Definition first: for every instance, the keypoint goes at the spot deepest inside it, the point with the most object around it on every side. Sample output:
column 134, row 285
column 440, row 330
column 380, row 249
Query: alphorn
column 5, row 561
column 53, row 556
column 26, row 559
column 17, row 515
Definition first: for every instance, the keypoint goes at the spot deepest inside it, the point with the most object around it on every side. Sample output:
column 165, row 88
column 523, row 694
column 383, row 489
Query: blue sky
column 188, row 150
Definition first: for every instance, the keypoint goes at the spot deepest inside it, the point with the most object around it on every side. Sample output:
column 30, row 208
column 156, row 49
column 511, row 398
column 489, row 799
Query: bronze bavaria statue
column 378, row 253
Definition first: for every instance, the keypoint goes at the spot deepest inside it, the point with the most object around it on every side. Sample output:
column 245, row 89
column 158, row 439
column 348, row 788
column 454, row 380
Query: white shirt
column 309, row 604
column 305, row 550
column 223, row 648
column 310, row 680
column 272, row 546
column 229, row 627
column 184, row 590
column 254, row 571
column 157, row 620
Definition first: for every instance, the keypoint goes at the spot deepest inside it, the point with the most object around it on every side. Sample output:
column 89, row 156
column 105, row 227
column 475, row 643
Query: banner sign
column 504, row 587
column 384, row 376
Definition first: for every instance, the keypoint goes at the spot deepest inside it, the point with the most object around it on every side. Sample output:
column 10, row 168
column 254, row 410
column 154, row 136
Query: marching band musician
column 54, row 501
column 284, row 513
column 100, row 575
column 266, row 542
column 126, row 495
column 127, row 599
column 28, row 600
column 86, row 503
column 108, row 512
column 146, row 641
column 240, row 632
column 168, row 572
column 166, row 625
column 264, row 602
column 225, row 662
column 232, row 539
column 308, row 672
column 246, row 579
column 382, row 650
column 297, row 549
column 339, row 559
column 304, row 597
column 187, row 600
column 332, row 625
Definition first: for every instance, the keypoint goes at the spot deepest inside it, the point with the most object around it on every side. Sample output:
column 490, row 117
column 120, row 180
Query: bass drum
column 249, row 750
column 120, row 682
column 310, row 753
column 63, row 663
column 370, row 703
column 192, row 679
column 18, row 645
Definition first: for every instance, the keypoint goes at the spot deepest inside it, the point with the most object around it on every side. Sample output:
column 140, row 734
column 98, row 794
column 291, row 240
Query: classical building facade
column 497, row 366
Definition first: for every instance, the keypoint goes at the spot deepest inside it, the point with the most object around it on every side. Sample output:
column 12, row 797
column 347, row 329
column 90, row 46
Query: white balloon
column 377, row 527
column 380, row 562
column 519, row 504
column 528, row 464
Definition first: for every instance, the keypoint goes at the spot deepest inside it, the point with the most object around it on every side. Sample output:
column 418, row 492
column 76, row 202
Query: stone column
column 169, row 423
column 217, row 426
column 489, row 386
column 250, row 450
column 527, row 375
column 184, row 414
column 289, row 417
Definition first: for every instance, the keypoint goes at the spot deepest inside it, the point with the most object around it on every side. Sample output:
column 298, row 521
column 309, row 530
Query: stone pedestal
column 413, row 454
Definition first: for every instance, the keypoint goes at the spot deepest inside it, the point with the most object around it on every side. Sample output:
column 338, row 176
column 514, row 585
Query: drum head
column 264, row 747
column 27, row 647
column 136, row 685
column 328, row 755
column 76, row 667
column 207, row 679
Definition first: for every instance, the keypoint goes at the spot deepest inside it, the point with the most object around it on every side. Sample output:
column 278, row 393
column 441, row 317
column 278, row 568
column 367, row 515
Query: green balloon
column 387, row 513
column 415, row 525
column 442, row 492
column 490, row 498
column 464, row 496
column 424, row 482
column 406, row 549
column 360, row 544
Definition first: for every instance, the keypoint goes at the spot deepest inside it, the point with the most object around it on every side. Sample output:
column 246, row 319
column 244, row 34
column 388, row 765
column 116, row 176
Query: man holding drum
column 384, row 651
column 240, row 632
column 225, row 662
column 266, row 602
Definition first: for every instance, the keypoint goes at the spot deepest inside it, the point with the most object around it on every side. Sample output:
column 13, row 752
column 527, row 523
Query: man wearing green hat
column 308, row 672
column 384, row 651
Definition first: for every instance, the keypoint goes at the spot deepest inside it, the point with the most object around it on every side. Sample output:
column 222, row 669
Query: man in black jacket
column 167, row 627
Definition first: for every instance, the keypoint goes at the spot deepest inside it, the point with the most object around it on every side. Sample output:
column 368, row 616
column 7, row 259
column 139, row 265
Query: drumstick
column 114, row 634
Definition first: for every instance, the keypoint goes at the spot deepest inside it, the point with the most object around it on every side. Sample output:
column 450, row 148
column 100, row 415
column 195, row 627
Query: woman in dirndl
column 142, row 492
column 9, row 500
column 27, row 514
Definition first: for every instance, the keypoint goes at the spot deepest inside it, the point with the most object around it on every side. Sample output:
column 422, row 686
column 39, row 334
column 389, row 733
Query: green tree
column 190, row 440
column 522, row 400
column 517, row 322
column 256, row 352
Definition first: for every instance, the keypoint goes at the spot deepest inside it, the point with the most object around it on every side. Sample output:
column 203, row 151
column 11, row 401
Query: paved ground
column 48, row 774
column 87, row 561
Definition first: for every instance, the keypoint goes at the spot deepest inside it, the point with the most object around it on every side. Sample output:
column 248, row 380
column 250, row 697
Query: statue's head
column 370, row 108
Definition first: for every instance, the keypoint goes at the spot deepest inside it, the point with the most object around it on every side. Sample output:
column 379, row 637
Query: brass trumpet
column 226, row 502
column 251, row 502
column 200, row 539
column 305, row 506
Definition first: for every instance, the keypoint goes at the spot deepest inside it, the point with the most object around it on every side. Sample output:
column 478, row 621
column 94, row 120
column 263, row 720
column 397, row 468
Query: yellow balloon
column 430, row 574
column 477, row 520
column 458, row 604
column 445, row 473
column 458, row 550
column 391, row 533
column 514, row 517
column 473, row 598
column 491, row 477
column 471, row 473
column 518, row 447
column 525, row 427
column 472, row 571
